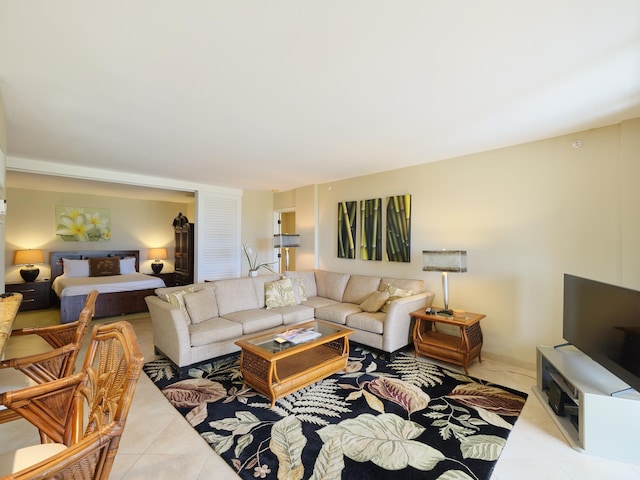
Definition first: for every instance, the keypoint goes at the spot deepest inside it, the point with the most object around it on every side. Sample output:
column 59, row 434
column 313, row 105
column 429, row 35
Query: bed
column 120, row 293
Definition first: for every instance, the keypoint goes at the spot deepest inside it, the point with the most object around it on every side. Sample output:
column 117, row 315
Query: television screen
column 603, row 321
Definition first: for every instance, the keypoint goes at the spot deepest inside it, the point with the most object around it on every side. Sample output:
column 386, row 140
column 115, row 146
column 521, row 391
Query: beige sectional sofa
column 197, row 322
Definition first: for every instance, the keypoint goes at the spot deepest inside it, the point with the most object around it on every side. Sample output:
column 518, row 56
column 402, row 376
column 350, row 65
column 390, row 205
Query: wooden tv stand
column 598, row 423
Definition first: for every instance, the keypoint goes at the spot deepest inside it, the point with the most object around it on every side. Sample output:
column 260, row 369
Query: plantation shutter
column 217, row 235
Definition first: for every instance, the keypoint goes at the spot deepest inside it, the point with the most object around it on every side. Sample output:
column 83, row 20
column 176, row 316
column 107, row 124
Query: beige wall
column 3, row 132
column 258, row 227
column 135, row 224
column 525, row 214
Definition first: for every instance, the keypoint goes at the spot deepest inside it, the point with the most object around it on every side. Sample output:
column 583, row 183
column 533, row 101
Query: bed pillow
column 128, row 265
column 279, row 293
column 104, row 266
column 75, row 268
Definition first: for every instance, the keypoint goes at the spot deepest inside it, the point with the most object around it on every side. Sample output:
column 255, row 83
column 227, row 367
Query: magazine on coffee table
column 297, row 335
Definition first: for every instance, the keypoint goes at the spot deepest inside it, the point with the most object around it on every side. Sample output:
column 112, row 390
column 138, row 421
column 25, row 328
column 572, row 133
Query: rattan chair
column 85, row 444
column 60, row 362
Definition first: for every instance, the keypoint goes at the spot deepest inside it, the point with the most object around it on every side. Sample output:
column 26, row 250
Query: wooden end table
column 277, row 369
column 459, row 350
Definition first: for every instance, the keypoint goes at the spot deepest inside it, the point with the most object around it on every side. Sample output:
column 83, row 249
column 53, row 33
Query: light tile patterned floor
column 159, row 444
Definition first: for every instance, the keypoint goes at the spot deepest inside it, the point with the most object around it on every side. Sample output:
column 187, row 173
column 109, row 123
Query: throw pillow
column 279, row 293
column 104, row 266
column 176, row 298
column 394, row 293
column 200, row 305
column 299, row 290
column 127, row 265
column 375, row 301
column 75, row 268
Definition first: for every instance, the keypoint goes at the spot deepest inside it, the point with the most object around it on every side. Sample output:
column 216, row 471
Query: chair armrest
column 47, row 366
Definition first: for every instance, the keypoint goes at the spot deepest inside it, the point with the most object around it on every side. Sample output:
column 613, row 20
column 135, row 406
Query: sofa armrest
column 397, row 323
column 170, row 330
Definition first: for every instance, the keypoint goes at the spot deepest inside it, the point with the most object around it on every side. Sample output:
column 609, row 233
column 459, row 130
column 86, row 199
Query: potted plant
column 252, row 259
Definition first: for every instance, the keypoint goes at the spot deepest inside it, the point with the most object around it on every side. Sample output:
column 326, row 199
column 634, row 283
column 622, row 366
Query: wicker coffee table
column 277, row 368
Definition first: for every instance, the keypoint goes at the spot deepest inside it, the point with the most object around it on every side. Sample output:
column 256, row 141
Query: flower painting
column 76, row 224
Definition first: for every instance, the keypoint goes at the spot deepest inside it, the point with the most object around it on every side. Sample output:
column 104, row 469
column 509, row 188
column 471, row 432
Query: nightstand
column 460, row 350
column 35, row 295
column 168, row 278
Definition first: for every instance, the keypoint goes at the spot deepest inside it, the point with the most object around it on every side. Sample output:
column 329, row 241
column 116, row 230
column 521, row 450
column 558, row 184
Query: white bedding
column 70, row 286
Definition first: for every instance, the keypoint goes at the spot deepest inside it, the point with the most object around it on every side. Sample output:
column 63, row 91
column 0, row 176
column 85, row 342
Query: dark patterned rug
column 405, row 419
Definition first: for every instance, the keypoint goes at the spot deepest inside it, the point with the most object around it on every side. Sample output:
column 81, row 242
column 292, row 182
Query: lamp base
column 157, row 267
column 29, row 274
column 445, row 312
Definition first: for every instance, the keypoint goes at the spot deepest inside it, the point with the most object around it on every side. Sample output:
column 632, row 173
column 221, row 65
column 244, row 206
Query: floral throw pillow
column 394, row 293
column 279, row 293
column 299, row 290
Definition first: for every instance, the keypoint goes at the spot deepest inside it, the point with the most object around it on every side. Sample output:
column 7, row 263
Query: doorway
column 287, row 222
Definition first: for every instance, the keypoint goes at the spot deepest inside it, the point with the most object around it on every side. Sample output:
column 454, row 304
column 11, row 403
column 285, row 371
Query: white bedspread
column 70, row 286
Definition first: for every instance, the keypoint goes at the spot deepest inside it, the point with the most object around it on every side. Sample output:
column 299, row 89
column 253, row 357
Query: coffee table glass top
column 295, row 335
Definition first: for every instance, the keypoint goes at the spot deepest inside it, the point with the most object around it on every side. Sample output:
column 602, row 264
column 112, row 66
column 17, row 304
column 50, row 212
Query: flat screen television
column 603, row 321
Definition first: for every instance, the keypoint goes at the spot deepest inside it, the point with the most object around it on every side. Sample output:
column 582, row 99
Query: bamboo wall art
column 347, row 229
column 399, row 228
column 371, row 229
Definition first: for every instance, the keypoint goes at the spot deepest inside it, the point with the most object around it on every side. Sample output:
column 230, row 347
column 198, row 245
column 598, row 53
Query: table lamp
column 27, row 258
column 444, row 261
column 157, row 254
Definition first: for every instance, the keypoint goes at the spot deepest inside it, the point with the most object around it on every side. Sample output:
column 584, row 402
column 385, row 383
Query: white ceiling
column 281, row 94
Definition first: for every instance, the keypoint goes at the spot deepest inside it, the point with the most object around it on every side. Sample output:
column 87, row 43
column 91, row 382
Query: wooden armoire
column 183, row 250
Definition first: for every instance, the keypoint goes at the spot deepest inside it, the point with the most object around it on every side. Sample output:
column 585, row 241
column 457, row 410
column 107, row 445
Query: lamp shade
column 286, row 240
column 158, row 253
column 444, row 260
column 28, row 257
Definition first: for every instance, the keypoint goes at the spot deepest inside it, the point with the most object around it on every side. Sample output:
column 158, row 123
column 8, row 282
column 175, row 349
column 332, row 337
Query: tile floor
column 159, row 444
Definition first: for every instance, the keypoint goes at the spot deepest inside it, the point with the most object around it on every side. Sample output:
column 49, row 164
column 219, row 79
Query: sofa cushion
column 359, row 287
column 279, row 293
column 317, row 302
column 337, row 312
column 299, row 290
column 213, row 330
column 236, row 295
column 369, row 322
column 309, row 280
column 256, row 320
column 201, row 305
column 375, row 301
column 295, row 313
column 331, row 285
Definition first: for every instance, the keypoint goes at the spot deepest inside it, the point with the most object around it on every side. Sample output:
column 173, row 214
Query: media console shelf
column 595, row 421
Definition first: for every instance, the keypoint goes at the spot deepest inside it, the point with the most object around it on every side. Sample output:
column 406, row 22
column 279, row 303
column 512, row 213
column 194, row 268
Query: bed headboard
column 57, row 267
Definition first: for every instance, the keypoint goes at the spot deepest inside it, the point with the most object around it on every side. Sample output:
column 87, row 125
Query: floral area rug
column 377, row 420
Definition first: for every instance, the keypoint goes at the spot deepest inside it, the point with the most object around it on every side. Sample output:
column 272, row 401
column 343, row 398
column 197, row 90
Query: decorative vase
column 253, row 273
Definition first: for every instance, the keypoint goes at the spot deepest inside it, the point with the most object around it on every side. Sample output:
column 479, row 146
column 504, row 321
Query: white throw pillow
column 75, row 268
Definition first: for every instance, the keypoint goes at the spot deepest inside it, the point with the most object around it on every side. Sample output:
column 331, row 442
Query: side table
column 428, row 341
column 35, row 295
